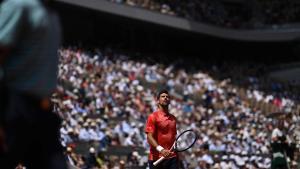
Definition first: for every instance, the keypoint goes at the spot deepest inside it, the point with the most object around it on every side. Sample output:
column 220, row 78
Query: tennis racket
column 183, row 142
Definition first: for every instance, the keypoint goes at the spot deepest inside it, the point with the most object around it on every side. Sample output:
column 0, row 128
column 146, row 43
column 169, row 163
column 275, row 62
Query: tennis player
column 161, row 134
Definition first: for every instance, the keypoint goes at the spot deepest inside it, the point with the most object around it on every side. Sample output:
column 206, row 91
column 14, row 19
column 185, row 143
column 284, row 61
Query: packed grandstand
column 108, row 83
column 104, row 98
column 226, row 13
column 104, row 95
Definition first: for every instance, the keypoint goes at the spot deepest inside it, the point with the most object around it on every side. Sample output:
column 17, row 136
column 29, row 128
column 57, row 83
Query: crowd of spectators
column 232, row 14
column 105, row 97
column 259, row 83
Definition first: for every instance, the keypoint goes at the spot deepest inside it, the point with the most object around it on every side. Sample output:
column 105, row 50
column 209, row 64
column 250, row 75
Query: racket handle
column 158, row 161
column 162, row 158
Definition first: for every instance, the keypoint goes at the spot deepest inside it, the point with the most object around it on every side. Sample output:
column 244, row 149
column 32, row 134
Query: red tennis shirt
column 163, row 127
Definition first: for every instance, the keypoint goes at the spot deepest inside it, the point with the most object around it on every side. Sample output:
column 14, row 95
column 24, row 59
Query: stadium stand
column 233, row 14
column 107, row 81
column 233, row 122
column 209, row 26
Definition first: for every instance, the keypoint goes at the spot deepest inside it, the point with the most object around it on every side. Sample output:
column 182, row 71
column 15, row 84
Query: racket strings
column 185, row 141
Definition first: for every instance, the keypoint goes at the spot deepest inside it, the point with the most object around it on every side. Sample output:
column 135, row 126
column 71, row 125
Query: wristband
column 159, row 148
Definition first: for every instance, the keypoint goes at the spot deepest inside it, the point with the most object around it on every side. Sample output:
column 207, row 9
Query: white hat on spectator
column 108, row 133
column 133, row 124
column 205, row 139
column 93, row 123
column 232, row 156
column 207, row 159
column 253, row 158
column 116, row 109
column 102, row 127
column 69, row 149
column 267, row 160
column 140, row 88
column 92, row 150
column 223, row 165
column 224, row 157
column 70, row 130
column 238, row 151
column 135, row 82
column 105, row 116
column 75, row 91
column 98, row 120
column 264, row 149
column 216, row 166
column 261, row 165
column 239, row 161
column 135, row 153
column 122, row 162
column 216, row 156
column 141, row 125
column 259, row 158
column 74, row 112
column 80, row 119
column 217, row 134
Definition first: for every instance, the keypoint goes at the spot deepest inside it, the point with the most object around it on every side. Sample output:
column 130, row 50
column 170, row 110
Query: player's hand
column 165, row 153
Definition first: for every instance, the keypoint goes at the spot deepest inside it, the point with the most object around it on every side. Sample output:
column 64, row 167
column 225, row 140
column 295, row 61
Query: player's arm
column 160, row 149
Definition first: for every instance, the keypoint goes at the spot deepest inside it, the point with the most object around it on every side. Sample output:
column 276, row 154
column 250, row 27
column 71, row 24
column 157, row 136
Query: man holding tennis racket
column 161, row 134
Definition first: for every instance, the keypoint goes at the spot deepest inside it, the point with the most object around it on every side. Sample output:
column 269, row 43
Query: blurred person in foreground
column 161, row 134
column 29, row 41
column 282, row 147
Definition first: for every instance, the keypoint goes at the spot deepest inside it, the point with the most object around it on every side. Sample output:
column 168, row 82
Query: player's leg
column 172, row 163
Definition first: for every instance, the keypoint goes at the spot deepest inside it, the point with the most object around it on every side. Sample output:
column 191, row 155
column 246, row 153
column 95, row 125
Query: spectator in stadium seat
column 280, row 146
column 91, row 160
column 156, row 133
column 29, row 40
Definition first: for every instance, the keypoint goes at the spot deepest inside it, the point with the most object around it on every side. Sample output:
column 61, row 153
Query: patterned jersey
column 163, row 127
